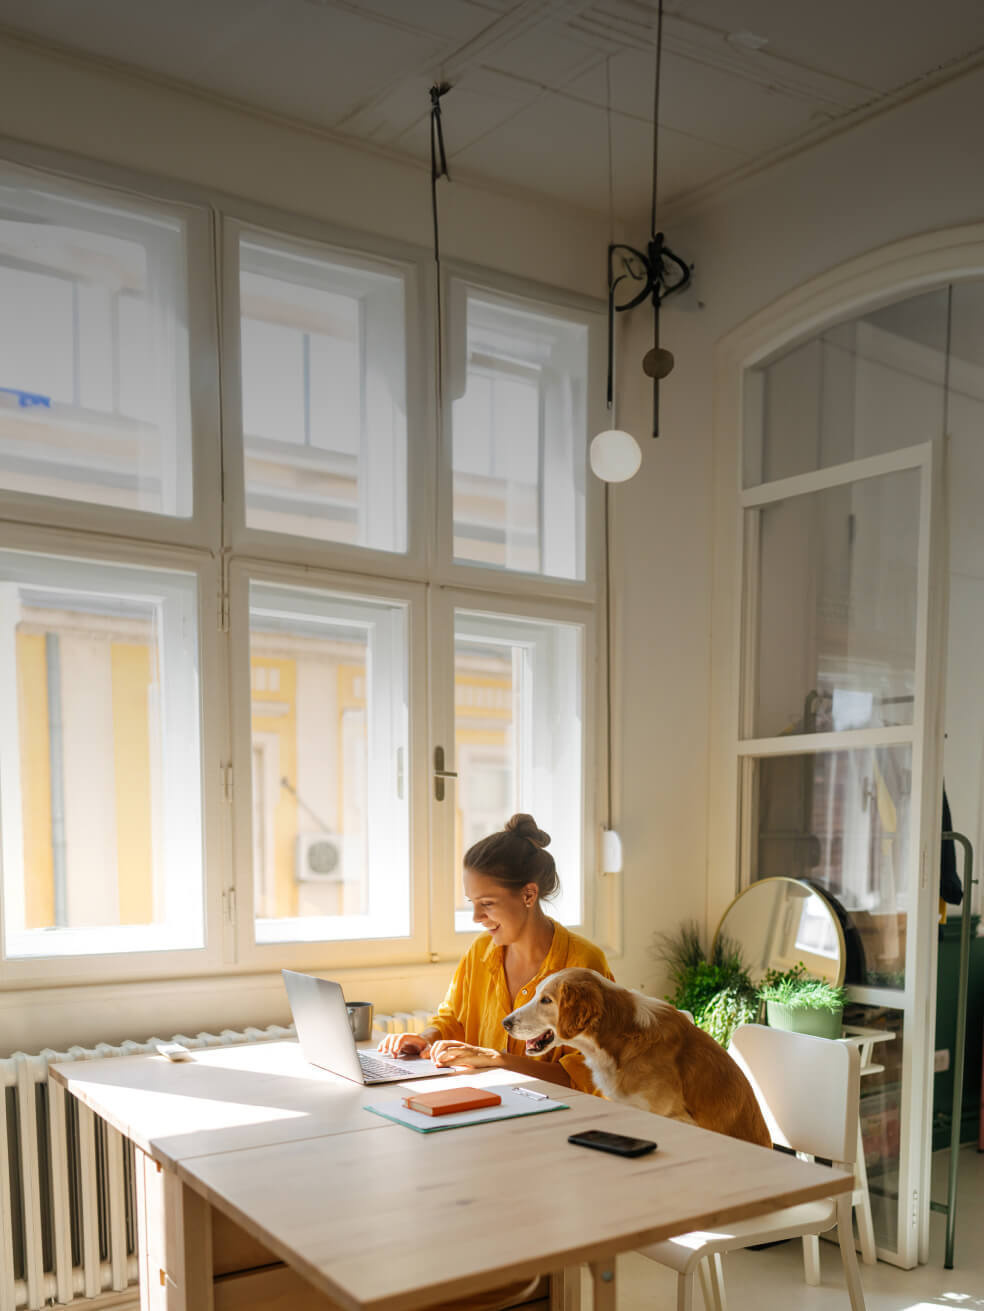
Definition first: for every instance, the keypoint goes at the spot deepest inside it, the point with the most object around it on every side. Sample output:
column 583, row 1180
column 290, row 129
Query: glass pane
column 881, row 1116
column 518, row 741
column 840, row 820
column 331, row 856
column 861, row 388
column 94, row 392
column 519, row 426
column 100, row 768
column 836, row 597
column 324, row 397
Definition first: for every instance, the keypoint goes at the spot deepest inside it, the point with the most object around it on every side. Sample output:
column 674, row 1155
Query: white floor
column 772, row 1280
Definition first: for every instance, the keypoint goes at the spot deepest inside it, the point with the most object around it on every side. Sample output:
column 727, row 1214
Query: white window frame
column 447, row 944
column 217, row 546
column 264, row 544
column 551, row 303
column 122, row 964
column 324, row 953
column 202, row 528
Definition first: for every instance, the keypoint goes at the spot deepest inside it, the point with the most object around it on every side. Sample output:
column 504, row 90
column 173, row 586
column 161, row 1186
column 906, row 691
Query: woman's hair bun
column 525, row 826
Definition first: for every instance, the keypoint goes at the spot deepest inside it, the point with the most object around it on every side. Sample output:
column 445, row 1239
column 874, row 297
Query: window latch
column 440, row 773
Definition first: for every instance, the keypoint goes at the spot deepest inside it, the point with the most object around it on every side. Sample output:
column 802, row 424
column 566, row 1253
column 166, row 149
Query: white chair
column 808, row 1089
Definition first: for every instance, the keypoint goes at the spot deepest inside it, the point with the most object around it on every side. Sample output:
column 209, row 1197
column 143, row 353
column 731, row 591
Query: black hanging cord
column 439, row 158
column 439, row 169
column 659, row 65
column 659, row 270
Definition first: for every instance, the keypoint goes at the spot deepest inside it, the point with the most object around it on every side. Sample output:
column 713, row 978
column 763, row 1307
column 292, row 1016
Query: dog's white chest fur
column 604, row 1071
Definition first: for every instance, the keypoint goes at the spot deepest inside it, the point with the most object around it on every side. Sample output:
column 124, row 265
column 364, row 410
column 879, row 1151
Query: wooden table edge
column 584, row 1254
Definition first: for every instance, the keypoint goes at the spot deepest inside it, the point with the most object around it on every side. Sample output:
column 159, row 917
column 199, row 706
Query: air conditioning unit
column 319, row 858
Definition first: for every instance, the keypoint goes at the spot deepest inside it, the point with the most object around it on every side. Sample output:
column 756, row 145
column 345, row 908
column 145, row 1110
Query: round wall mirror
column 776, row 923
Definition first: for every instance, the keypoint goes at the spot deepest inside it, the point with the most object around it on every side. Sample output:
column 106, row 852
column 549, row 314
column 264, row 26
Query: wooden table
column 264, row 1183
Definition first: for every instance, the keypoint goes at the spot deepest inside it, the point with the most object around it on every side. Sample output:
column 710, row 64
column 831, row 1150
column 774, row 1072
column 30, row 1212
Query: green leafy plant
column 801, row 991
column 718, row 992
column 729, row 1008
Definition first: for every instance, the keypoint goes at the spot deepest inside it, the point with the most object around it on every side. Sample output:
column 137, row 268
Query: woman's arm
column 488, row 1058
column 548, row 1071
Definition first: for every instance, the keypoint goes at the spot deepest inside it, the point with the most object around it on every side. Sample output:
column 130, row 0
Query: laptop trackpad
column 424, row 1069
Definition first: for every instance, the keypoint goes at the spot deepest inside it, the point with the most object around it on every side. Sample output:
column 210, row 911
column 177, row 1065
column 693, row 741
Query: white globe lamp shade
column 615, row 456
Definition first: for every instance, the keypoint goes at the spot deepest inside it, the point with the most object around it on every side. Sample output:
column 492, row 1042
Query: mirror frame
column 800, row 883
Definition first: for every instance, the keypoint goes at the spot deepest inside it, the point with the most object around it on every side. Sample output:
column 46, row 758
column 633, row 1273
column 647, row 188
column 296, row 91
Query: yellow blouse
column 478, row 1000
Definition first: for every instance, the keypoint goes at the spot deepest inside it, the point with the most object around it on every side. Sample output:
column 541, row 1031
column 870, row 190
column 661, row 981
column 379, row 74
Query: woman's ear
column 530, row 895
column 578, row 1007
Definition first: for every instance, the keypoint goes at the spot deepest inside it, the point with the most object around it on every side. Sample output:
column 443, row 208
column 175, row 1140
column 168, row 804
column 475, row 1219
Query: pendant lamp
column 633, row 277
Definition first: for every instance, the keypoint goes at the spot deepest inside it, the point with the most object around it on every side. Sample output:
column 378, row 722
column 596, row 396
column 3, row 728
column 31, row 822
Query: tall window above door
column 518, row 385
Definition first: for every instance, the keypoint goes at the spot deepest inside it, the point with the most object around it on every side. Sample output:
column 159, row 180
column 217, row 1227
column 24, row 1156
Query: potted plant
column 718, row 992
column 796, row 1000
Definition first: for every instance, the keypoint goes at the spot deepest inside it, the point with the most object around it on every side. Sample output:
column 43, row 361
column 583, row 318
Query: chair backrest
column 808, row 1088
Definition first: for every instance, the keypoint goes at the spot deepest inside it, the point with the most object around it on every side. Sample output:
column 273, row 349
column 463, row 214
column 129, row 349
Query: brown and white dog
column 641, row 1051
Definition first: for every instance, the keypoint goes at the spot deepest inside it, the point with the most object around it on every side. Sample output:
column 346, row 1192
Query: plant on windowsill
column 718, row 992
column 797, row 1001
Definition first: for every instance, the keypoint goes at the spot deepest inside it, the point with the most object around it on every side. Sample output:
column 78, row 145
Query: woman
column 506, row 878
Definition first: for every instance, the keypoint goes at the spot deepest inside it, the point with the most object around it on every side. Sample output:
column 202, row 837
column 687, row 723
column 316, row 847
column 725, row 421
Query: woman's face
column 503, row 912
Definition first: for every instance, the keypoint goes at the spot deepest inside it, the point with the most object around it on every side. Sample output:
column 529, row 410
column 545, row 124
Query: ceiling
column 742, row 79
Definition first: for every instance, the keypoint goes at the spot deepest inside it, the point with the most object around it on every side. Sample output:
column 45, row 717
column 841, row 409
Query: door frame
column 878, row 278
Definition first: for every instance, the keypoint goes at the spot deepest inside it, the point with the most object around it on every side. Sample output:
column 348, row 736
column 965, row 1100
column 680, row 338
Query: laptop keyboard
column 379, row 1067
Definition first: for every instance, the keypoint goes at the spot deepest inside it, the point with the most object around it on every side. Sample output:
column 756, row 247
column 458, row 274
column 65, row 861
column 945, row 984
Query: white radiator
column 68, row 1221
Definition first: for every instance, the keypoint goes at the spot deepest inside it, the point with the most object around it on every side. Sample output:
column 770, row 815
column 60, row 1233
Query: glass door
column 840, row 739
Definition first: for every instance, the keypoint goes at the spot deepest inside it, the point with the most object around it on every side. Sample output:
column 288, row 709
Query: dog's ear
column 579, row 1005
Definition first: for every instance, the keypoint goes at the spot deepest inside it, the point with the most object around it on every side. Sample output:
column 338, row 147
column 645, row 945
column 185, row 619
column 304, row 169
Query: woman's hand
column 405, row 1044
column 449, row 1052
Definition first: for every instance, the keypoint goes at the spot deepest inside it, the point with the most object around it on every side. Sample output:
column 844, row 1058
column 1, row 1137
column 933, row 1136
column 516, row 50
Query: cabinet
column 946, row 1011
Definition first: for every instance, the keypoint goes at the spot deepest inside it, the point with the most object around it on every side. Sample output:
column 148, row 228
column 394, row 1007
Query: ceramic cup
column 360, row 1018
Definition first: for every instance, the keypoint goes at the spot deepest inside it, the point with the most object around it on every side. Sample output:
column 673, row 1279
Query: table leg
column 175, row 1240
column 603, row 1275
column 565, row 1290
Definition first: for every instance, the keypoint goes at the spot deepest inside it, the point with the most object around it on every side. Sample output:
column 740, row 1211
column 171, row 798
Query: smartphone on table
column 616, row 1143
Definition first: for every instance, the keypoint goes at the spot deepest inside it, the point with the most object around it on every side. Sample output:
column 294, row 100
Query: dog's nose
column 507, row 1023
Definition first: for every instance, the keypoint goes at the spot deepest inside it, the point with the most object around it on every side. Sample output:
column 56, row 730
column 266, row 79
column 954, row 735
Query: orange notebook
column 451, row 1099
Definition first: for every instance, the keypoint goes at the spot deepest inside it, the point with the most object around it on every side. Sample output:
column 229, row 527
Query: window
column 518, row 736
column 519, row 428
column 324, row 396
column 233, row 638
column 94, row 394
column 100, row 809
column 329, row 714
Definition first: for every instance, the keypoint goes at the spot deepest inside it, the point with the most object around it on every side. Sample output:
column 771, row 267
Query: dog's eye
column 546, row 998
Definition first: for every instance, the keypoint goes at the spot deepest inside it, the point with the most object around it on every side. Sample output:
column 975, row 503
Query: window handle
column 440, row 773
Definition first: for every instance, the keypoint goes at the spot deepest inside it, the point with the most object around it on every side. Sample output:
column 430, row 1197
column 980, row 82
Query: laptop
column 318, row 1010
